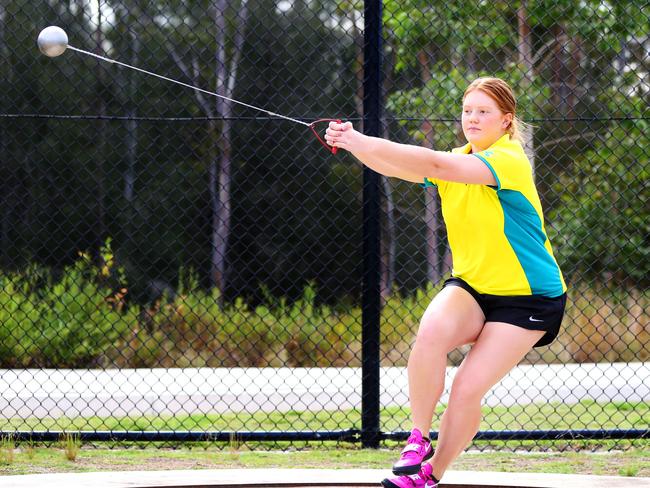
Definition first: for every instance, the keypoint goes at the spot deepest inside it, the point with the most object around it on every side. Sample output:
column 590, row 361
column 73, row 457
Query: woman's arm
column 412, row 163
column 384, row 166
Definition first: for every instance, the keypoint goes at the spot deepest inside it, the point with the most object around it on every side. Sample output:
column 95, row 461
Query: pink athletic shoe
column 424, row 479
column 416, row 451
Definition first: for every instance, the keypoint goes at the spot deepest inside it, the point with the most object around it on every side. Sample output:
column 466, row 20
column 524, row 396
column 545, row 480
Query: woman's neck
column 476, row 148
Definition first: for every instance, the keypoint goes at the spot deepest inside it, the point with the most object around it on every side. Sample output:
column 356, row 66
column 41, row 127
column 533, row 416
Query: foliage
column 62, row 209
column 606, row 324
column 601, row 228
column 194, row 330
column 440, row 100
column 296, row 210
column 62, row 322
column 82, row 319
column 65, row 178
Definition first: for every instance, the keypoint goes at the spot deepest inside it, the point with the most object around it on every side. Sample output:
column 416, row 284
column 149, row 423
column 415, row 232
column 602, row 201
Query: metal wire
column 109, row 60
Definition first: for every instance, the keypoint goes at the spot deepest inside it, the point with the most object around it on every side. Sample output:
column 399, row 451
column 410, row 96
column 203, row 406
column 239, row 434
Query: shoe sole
column 388, row 484
column 409, row 470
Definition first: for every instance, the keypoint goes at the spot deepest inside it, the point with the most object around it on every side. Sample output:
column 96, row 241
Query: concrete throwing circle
column 304, row 478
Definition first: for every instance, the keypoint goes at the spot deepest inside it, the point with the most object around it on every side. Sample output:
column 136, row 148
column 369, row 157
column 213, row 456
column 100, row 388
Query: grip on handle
column 335, row 149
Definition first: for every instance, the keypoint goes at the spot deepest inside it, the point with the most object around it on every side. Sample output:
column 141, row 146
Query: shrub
column 82, row 320
column 65, row 322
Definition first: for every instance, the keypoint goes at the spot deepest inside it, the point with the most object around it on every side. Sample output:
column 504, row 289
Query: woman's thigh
column 498, row 349
column 452, row 319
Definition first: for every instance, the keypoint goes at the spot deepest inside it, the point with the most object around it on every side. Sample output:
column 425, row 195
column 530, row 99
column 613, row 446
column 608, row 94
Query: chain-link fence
column 177, row 266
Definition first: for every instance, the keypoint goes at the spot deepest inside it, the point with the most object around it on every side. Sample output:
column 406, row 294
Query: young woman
column 506, row 294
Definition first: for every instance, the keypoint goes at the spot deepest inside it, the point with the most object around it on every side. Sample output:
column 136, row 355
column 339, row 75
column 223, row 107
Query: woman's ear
column 507, row 120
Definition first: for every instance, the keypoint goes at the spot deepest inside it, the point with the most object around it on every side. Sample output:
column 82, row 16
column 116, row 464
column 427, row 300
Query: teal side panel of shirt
column 427, row 183
column 523, row 229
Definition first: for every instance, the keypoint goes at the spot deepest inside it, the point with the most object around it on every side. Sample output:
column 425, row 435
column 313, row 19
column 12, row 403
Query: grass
column 7, row 449
column 635, row 462
column 602, row 457
column 71, row 445
column 586, row 414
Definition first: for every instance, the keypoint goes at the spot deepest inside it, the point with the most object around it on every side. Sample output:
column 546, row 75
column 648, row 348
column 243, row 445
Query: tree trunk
column 8, row 199
column 434, row 255
column 135, row 21
column 226, row 75
column 100, row 232
column 220, row 154
column 524, row 45
column 389, row 240
column 132, row 126
column 558, row 65
column 574, row 69
column 525, row 50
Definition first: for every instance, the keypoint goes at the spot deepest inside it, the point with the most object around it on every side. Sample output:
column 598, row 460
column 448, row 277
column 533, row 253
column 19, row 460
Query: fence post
column 371, row 303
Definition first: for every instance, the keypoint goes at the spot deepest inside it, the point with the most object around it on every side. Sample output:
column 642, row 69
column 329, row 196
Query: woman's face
column 483, row 122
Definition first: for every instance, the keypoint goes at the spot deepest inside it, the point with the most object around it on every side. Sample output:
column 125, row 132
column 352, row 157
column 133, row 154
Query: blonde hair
column 502, row 94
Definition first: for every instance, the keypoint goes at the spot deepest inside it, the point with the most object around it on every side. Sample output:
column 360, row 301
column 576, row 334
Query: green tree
column 602, row 225
column 558, row 64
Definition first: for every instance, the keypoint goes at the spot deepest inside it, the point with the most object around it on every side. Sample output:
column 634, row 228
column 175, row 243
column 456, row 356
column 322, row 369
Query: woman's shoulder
column 507, row 148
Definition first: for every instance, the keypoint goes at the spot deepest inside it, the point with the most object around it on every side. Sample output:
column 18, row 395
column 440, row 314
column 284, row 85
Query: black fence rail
column 179, row 266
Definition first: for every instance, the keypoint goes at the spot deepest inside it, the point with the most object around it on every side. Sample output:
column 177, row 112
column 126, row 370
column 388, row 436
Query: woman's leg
column 452, row 319
column 498, row 349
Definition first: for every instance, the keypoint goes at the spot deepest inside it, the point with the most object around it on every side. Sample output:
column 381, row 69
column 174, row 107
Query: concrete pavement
column 307, row 478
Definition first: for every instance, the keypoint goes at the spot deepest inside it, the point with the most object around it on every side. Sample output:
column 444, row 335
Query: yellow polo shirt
column 496, row 234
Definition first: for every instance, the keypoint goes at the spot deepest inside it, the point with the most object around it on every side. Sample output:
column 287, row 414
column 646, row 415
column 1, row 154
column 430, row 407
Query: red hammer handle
column 335, row 149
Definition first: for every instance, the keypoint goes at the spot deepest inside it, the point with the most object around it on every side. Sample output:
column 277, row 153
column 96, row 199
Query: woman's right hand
column 343, row 135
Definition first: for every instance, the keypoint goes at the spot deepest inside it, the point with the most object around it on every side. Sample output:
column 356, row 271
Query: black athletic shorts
column 534, row 312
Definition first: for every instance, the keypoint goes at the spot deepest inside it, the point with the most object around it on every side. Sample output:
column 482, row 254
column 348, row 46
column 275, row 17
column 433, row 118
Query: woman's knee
column 466, row 391
column 452, row 319
column 435, row 334
column 444, row 334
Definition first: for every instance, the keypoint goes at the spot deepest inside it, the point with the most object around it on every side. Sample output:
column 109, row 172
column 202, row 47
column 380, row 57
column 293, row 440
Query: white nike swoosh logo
column 534, row 320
